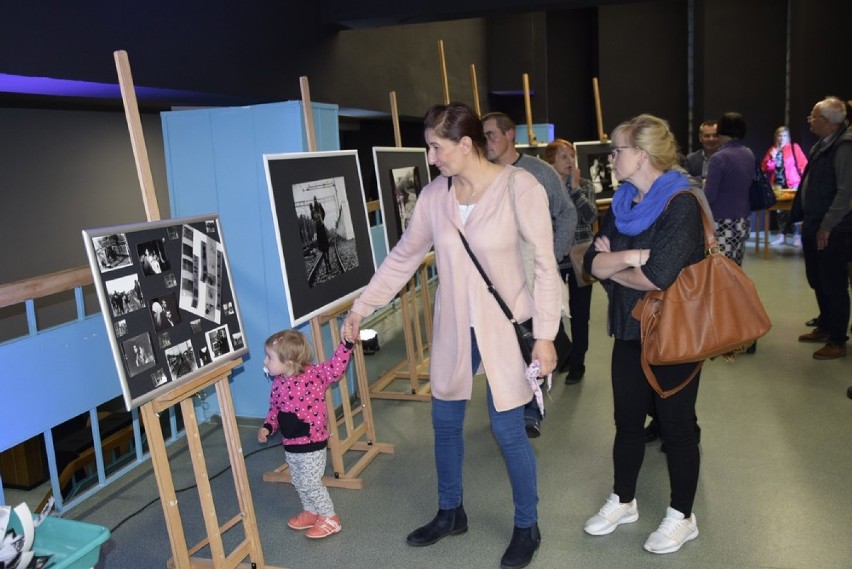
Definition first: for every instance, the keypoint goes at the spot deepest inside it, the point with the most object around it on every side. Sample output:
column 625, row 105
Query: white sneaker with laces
column 780, row 240
column 672, row 533
column 611, row 515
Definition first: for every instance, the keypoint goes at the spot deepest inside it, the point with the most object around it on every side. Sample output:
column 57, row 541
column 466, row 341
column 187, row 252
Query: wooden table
column 784, row 203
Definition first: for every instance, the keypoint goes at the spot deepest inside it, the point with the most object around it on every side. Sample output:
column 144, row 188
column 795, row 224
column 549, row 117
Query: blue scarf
column 633, row 220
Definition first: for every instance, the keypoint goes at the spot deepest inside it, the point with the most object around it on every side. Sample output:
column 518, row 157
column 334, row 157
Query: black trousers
column 828, row 275
column 632, row 397
column 580, row 304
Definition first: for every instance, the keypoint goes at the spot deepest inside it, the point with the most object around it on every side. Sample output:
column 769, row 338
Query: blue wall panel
column 41, row 378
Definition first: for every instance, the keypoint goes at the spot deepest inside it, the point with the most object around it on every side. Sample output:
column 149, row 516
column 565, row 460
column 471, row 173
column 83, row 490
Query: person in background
column 499, row 131
column 696, row 162
column 297, row 409
column 471, row 196
column 783, row 164
column 561, row 155
column 825, row 208
column 652, row 232
column 729, row 175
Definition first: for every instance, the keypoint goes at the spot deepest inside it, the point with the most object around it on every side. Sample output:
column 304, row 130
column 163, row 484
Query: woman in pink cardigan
column 471, row 196
column 784, row 163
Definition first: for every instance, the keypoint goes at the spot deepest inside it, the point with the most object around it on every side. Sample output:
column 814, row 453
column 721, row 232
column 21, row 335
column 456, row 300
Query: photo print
column 138, row 354
column 201, row 275
column 321, row 228
column 165, row 340
column 219, row 341
column 400, row 173
column 170, row 280
column 164, row 312
column 237, row 341
column 125, row 295
column 181, row 359
column 204, row 356
column 152, row 257
column 326, row 229
column 173, row 232
column 112, row 252
column 120, row 327
column 195, row 326
column 406, row 187
column 158, row 377
column 593, row 162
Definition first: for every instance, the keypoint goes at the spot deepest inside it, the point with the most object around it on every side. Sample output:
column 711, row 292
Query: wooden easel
column 528, row 108
column 415, row 366
column 182, row 557
column 346, row 433
column 598, row 112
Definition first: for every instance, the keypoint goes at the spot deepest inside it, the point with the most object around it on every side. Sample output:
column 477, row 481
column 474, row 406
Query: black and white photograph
column 201, row 268
column 322, row 231
column 181, row 359
column 400, row 173
column 125, row 295
column 325, row 229
column 219, row 341
column 138, row 354
column 164, row 312
column 112, row 252
column 169, row 260
column 152, row 257
column 237, row 340
column 120, row 328
column 593, row 162
column 158, row 377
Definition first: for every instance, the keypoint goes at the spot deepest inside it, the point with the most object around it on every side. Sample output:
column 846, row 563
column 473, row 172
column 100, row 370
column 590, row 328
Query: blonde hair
column 550, row 151
column 653, row 135
column 293, row 347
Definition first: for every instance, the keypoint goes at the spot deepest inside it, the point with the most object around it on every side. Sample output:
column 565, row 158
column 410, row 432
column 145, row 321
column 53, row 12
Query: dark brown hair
column 454, row 122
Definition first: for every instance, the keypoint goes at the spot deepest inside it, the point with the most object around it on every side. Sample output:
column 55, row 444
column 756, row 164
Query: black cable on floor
column 155, row 500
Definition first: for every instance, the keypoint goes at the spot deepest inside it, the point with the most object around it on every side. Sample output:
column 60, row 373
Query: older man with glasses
column 824, row 205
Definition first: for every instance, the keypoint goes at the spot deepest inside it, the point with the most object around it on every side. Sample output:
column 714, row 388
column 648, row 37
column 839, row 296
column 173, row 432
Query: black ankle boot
column 446, row 522
column 525, row 542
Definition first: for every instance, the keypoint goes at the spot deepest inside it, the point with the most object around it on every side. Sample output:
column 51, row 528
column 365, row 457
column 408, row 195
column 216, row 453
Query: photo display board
column 400, row 173
column 168, row 301
column 321, row 226
column 594, row 164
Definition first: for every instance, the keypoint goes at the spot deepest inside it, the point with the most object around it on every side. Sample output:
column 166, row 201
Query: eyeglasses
column 613, row 153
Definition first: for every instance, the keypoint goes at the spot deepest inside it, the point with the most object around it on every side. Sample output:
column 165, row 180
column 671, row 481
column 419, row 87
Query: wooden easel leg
column 165, row 483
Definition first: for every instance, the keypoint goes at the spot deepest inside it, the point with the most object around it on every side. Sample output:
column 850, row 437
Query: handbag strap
column 503, row 306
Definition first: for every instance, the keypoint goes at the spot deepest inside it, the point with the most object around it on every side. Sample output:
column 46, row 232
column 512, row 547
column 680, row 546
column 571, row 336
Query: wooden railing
column 21, row 291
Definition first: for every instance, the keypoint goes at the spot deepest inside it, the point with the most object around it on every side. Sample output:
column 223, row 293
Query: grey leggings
column 307, row 470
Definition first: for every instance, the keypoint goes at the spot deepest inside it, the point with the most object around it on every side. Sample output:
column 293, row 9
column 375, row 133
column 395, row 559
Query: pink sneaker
column 305, row 520
column 324, row 527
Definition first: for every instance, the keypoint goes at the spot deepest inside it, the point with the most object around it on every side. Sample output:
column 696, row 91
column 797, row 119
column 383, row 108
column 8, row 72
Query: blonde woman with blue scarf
column 643, row 244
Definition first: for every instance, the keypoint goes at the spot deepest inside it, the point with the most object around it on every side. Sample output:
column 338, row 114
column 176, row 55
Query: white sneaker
column 672, row 533
column 797, row 241
column 780, row 240
column 611, row 515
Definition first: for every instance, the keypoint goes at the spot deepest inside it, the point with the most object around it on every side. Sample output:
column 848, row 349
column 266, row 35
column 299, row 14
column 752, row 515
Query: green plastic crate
column 71, row 544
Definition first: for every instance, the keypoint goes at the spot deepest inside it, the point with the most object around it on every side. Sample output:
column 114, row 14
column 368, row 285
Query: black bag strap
column 503, row 306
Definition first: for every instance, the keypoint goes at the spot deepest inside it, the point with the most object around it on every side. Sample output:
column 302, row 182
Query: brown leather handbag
column 712, row 309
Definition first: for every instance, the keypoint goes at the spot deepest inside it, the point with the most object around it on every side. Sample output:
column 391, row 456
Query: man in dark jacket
column 826, row 212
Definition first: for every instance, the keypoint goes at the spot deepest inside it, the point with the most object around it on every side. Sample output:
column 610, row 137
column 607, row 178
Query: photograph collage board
column 167, row 298
column 321, row 228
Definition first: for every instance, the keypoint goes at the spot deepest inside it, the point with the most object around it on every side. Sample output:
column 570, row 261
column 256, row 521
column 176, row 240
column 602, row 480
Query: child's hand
column 262, row 434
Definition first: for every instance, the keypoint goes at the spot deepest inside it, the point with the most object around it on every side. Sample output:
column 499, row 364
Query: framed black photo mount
column 593, row 161
column 167, row 298
column 400, row 173
column 322, row 230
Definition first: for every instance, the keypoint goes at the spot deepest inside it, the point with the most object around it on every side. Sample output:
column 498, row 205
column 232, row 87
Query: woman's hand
column 545, row 353
column 602, row 244
column 350, row 330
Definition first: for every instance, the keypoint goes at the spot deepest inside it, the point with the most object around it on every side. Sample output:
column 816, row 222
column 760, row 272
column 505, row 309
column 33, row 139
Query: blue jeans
column 508, row 429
